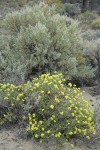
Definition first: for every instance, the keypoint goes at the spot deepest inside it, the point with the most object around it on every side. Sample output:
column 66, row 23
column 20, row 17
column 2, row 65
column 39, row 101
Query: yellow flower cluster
column 59, row 111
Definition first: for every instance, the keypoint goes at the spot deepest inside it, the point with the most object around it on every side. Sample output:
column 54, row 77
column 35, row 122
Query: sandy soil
column 10, row 138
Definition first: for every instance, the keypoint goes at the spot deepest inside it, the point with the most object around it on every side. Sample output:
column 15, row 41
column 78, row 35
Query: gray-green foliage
column 97, row 114
column 70, row 9
column 93, row 53
column 92, row 49
column 44, row 41
column 12, row 65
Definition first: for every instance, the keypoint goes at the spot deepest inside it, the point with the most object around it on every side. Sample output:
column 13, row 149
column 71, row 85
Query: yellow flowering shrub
column 61, row 111
column 52, row 110
column 11, row 99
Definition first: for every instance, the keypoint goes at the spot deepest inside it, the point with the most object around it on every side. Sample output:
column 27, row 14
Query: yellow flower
column 30, row 123
column 42, row 134
column 18, row 89
column 69, row 108
column 52, row 106
column 4, row 86
column 69, row 84
column 36, row 135
column 89, row 119
column 75, row 91
column 72, row 145
column 59, row 134
column 48, row 92
column 57, row 100
column 40, row 122
column 36, row 128
column 5, row 98
column 21, row 94
column 17, row 98
column 62, row 93
column 78, row 121
column 88, row 137
column 61, row 113
column 42, row 92
column 53, row 116
column 12, row 104
column 49, row 83
column 75, row 132
column 42, row 129
column 48, row 131
column 68, row 89
column 66, row 96
column 56, row 86
column 84, row 131
column 94, row 132
column 73, row 114
column 24, row 117
column 33, row 115
column 70, row 133
column 79, row 130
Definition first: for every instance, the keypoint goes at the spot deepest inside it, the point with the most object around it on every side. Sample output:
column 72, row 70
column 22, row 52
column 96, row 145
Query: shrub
column 47, row 42
column 87, row 18
column 11, row 103
column 96, row 24
column 92, row 54
column 49, row 109
column 91, row 35
column 97, row 114
column 57, row 3
column 13, row 66
column 70, row 9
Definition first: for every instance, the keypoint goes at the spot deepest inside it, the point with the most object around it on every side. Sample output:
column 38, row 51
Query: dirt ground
column 10, row 138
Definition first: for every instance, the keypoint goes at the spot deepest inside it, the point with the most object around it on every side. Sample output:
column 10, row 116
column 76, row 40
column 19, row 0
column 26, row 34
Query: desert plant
column 92, row 54
column 97, row 114
column 70, row 9
column 96, row 24
column 87, row 18
column 57, row 3
column 91, row 34
column 47, row 41
column 49, row 109
column 11, row 103
column 13, row 66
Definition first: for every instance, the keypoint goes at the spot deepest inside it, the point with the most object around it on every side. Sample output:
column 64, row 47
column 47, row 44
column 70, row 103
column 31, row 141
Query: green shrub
column 57, row 3
column 13, row 66
column 70, row 9
column 92, row 53
column 11, row 103
column 49, row 109
column 96, row 24
column 47, row 42
column 91, row 35
column 97, row 114
column 87, row 18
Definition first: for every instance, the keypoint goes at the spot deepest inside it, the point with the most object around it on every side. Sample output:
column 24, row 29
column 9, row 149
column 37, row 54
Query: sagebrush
column 46, row 42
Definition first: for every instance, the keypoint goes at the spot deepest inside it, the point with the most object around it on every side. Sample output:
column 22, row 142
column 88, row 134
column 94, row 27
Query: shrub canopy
column 47, row 108
column 46, row 42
